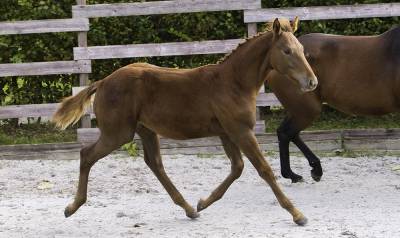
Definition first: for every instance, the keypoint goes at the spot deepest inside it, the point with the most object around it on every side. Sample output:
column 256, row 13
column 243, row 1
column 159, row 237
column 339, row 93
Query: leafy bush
column 131, row 30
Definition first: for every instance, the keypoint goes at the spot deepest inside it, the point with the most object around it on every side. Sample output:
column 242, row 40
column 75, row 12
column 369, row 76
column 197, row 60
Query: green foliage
column 131, row 149
column 132, row 30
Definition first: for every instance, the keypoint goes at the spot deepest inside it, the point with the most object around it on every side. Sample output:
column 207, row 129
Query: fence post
column 83, row 78
column 251, row 29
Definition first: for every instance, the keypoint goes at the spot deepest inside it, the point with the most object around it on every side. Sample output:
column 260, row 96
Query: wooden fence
column 253, row 14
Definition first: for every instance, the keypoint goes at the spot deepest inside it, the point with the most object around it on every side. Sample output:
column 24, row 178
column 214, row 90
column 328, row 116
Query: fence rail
column 29, row 110
column 46, row 68
column 161, row 49
column 44, row 26
column 161, row 7
column 324, row 13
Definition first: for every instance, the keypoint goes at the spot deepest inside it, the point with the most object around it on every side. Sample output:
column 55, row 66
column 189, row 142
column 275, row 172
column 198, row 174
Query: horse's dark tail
column 72, row 108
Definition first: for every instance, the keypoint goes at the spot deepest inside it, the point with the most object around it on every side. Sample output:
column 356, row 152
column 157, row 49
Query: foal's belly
column 181, row 126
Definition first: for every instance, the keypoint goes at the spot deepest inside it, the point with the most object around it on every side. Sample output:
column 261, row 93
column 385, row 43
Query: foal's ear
column 295, row 24
column 276, row 27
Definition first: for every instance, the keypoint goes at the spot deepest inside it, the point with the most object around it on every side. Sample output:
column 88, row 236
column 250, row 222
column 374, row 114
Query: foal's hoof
column 301, row 221
column 193, row 214
column 68, row 212
column 201, row 205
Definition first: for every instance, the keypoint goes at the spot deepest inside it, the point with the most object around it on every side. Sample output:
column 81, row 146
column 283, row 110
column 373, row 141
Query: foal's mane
column 285, row 26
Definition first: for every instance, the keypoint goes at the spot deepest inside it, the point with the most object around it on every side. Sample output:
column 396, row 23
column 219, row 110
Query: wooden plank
column 162, row 7
column 383, row 144
column 64, row 151
column 44, row 26
column 45, row 68
column 324, row 12
column 267, row 99
column 30, row 110
column 366, row 134
column 162, row 49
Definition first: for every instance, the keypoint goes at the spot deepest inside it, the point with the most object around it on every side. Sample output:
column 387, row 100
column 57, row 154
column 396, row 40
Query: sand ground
column 357, row 197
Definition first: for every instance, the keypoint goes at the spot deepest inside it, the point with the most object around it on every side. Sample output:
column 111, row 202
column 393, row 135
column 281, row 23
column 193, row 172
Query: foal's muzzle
column 311, row 85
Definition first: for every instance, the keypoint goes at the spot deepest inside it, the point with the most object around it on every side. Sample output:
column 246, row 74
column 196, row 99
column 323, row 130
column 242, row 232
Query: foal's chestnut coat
column 214, row 100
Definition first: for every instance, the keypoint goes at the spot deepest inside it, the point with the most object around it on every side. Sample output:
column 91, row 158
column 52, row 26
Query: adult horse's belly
column 358, row 101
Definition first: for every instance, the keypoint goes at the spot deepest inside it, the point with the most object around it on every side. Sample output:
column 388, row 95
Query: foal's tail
column 72, row 108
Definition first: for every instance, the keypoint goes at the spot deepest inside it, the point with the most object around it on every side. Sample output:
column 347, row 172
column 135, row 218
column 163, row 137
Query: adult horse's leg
column 89, row 156
column 303, row 109
column 152, row 158
column 285, row 135
column 248, row 144
column 287, row 132
column 235, row 157
column 313, row 160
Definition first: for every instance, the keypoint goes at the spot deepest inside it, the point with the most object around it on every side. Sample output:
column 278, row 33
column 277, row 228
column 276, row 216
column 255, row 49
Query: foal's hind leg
column 152, row 158
column 235, row 156
column 89, row 156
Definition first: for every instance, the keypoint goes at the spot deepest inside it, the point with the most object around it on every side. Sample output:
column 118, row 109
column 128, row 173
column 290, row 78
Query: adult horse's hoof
column 316, row 175
column 201, row 205
column 316, row 178
column 301, row 221
column 193, row 214
column 296, row 178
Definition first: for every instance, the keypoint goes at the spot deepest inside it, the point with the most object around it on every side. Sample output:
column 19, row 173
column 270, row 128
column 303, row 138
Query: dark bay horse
column 213, row 100
column 358, row 75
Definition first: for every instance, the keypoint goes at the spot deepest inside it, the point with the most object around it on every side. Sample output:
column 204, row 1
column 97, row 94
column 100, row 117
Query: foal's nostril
column 312, row 84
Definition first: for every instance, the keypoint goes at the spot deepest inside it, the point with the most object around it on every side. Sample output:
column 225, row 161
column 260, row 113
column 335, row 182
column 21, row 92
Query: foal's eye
column 287, row 51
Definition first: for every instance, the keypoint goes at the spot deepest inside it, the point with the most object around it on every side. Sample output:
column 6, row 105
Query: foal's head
column 287, row 55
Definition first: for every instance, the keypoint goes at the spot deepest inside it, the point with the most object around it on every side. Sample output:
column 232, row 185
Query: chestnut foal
column 213, row 100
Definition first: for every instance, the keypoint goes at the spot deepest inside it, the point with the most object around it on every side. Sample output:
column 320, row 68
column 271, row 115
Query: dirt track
column 357, row 197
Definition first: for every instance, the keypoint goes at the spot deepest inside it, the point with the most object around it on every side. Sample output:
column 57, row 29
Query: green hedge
column 130, row 30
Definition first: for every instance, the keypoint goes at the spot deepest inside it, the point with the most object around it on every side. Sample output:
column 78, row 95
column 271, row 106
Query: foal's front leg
column 248, row 144
column 235, row 156
column 152, row 158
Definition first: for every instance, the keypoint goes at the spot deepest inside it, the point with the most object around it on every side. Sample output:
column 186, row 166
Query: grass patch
column 332, row 119
column 34, row 134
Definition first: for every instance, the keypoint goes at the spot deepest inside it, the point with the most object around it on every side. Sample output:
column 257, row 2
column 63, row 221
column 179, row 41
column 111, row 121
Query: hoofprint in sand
column 357, row 197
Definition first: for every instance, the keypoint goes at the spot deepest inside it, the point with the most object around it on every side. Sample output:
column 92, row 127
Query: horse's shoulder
column 316, row 45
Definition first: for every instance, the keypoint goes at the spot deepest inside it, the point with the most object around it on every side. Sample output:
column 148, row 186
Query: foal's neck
column 249, row 62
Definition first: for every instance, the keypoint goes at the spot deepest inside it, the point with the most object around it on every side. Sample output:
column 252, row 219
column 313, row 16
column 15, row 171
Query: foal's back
column 357, row 74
